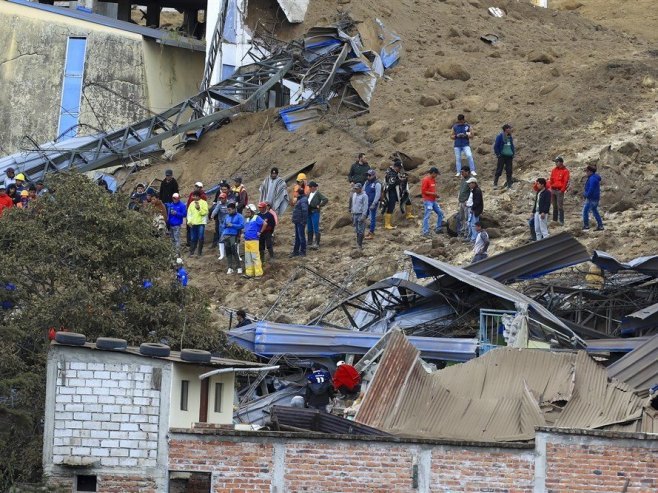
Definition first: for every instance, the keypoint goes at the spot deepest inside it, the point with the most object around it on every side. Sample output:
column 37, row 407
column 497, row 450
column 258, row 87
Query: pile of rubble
column 541, row 342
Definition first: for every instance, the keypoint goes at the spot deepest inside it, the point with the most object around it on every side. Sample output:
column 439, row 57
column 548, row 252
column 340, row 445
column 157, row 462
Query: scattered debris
column 496, row 12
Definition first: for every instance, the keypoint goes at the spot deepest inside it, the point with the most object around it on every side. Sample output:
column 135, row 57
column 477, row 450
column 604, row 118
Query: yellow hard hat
column 20, row 176
column 301, row 176
column 24, row 193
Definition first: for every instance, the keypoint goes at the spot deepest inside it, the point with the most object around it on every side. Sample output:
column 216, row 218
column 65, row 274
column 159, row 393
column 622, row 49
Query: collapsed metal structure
column 455, row 303
column 321, row 64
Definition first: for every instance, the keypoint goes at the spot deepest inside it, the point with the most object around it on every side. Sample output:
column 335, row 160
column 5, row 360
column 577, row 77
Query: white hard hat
column 198, row 184
column 252, row 208
column 340, row 363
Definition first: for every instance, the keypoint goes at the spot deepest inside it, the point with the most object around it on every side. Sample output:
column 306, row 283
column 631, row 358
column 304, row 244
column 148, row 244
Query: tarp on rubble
column 501, row 396
column 269, row 338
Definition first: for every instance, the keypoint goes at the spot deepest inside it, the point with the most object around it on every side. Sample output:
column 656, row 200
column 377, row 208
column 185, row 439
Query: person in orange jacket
column 302, row 182
column 431, row 201
column 559, row 185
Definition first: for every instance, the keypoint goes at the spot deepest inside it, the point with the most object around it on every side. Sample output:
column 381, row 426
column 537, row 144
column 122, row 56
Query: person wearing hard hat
column 20, row 183
column 301, row 183
column 24, row 201
column 254, row 226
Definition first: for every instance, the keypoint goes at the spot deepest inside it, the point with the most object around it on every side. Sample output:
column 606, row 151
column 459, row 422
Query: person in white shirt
column 481, row 243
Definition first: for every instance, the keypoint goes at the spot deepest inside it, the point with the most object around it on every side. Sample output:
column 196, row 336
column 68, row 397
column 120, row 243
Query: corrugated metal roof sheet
column 426, row 267
column 406, row 400
column 534, row 259
column 314, row 420
column 161, row 36
column 501, row 396
column 597, row 402
column 615, row 345
column 646, row 318
column 269, row 338
column 646, row 265
column 639, row 368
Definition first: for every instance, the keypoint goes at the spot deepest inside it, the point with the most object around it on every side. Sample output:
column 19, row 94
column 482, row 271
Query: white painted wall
column 186, row 419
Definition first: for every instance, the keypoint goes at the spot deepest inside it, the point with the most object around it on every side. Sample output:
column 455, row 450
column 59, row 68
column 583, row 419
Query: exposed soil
column 590, row 90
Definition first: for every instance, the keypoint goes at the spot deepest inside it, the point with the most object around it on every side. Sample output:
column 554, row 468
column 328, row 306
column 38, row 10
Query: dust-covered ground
column 576, row 82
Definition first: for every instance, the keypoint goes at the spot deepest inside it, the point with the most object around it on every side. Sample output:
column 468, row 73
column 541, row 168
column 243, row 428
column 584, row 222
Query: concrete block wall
column 105, row 413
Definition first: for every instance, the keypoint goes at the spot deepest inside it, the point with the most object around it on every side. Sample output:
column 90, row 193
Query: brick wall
column 109, row 483
column 106, row 414
column 336, row 466
column 482, row 470
column 573, row 467
column 236, row 466
column 271, row 463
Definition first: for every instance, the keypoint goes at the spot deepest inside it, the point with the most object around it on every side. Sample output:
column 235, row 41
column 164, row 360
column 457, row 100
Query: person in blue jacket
column 461, row 134
column 592, row 194
column 181, row 273
column 233, row 226
column 176, row 212
column 504, row 150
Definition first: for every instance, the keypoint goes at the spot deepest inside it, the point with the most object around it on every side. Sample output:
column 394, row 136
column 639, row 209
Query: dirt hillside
column 570, row 83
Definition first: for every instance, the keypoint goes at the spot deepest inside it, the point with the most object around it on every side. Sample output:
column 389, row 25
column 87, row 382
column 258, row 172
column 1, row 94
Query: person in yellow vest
column 254, row 226
column 301, row 183
column 197, row 218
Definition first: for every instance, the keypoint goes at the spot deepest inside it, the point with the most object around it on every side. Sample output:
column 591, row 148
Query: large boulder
column 453, row 71
column 377, row 131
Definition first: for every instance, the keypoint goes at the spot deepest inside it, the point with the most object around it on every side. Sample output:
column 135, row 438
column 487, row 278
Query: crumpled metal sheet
column 295, row 10
column 390, row 45
column 295, row 117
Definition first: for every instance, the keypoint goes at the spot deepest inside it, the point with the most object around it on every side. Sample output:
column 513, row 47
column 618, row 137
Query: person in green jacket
column 197, row 218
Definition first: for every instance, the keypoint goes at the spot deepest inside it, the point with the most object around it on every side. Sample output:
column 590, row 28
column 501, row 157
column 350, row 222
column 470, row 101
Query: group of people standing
column 550, row 194
column 16, row 191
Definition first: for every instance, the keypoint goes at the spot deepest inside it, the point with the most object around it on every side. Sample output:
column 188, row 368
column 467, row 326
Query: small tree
column 79, row 259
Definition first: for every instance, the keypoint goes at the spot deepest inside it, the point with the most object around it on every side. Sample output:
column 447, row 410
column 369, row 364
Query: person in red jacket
column 559, row 185
column 431, row 201
column 347, row 379
column 5, row 200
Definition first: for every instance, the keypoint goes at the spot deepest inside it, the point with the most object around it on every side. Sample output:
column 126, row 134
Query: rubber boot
column 317, row 240
column 271, row 250
column 222, row 251
column 387, row 221
column 561, row 213
column 193, row 247
column 410, row 212
column 495, row 181
column 359, row 240
column 309, row 240
column 200, row 248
